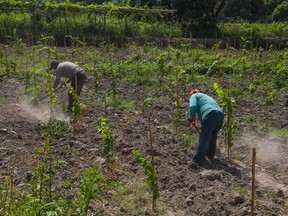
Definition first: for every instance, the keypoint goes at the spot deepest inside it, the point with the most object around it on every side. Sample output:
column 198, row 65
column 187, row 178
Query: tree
column 270, row 5
column 198, row 11
column 281, row 12
column 245, row 9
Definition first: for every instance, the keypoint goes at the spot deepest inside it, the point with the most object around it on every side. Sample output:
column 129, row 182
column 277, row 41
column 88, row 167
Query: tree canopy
column 204, row 11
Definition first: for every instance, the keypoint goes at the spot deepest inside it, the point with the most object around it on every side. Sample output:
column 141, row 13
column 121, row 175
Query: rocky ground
column 220, row 187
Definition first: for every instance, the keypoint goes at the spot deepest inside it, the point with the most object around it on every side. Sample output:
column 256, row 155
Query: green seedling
column 161, row 69
column 42, row 179
column 107, row 137
column 146, row 103
column 94, row 187
column 178, row 103
column 151, row 178
column 228, row 105
column 108, row 141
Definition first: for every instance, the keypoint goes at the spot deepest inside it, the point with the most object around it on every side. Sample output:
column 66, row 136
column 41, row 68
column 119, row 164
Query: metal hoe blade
column 34, row 103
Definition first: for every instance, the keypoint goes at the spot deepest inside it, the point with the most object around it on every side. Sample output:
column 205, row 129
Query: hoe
column 35, row 102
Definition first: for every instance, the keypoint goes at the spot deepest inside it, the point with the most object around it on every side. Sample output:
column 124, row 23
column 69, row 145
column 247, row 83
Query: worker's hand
column 191, row 121
column 63, row 84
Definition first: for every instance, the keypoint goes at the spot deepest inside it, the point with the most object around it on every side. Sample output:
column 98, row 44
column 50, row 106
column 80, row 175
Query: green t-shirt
column 202, row 104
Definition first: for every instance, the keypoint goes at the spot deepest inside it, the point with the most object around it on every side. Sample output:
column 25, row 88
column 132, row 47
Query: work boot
column 193, row 165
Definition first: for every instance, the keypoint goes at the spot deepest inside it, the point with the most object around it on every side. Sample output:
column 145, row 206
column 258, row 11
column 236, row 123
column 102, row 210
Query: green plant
column 163, row 70
column 249, row 120
column 77, row 109
column 108, row 141
column 7, row 193
column 188, row 140
column 240, row 190
column 9, row 68
column 137, row 58
column 279, row 132
column 107, row 137
column 271, row 193
column 53, row 128
column 252, row 88
column 269, row 100
column 120, row 103
column 42, row 179
column 178, row 103
column 19, row 45
column 96, row 72
column 92, row 187
column 228, row 105
column 151, row 178
column 146, row 103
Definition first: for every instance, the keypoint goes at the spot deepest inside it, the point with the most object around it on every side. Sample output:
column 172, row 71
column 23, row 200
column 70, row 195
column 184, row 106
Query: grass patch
column 240, row 190
column 122, row 104
column 3, row 100
column 280, row 132
column 271, row 193
column 249, row 120
column 135, row 199
column 188, row 140
column 53, row 128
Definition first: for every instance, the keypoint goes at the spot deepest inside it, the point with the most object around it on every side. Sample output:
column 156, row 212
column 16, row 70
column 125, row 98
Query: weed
column 145, row 104
column 271, row 193
column 242, row 191
column 188, row 140
column 7, row 194
column 54, row 128
column 121, row 104
column 3, row 100
column 249, row 120
column 134, row 198
column 279, row 132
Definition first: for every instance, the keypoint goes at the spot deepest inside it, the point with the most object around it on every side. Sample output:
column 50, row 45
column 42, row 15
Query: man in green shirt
column 211, row 117
column 75, row 75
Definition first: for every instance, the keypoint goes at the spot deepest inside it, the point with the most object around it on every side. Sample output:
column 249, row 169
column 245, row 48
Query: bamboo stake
column 253, row 182
column 151, row 141
column 105, row 104
column 152, row 163
column 177, row 99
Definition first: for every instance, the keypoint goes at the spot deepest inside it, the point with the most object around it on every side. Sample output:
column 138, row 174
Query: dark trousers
column 77, row 83
column 210, row 127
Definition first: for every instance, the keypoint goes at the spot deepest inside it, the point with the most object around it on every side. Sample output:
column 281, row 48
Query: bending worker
column 211, row 117
column 75, row 75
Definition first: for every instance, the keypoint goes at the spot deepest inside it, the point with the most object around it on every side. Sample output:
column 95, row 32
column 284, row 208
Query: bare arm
column 57, row 80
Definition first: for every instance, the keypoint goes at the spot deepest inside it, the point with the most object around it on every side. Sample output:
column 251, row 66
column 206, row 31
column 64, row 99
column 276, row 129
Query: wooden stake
column 253, row 182
column 105, row 104
column 152, row 163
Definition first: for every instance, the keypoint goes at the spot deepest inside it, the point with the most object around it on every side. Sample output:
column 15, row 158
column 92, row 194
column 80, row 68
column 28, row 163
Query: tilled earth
column 219, row 187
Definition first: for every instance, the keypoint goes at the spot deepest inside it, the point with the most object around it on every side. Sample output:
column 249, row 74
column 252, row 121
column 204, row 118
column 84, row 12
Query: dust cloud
column 42, row 112
column 269, row 148
column 271, row 157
